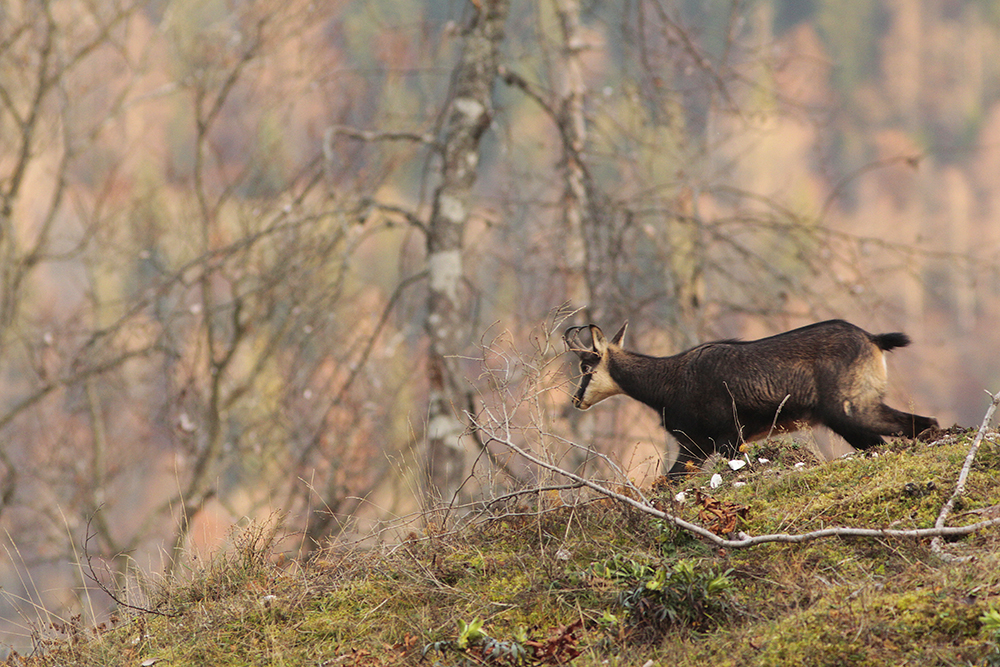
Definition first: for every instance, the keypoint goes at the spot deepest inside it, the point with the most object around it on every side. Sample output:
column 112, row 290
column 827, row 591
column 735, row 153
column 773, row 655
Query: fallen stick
column 937, row 543
column 938, row 532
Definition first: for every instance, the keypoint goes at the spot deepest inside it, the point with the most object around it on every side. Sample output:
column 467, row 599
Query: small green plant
column 991, row 623
column 620, row 568
column 991, row 620
column 683, row 595
column 469, row 633
column 608, row 621
column 475, row 647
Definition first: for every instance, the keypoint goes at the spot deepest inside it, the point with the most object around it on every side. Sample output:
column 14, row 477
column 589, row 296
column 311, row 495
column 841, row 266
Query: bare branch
column 406, row 214
column 77, row 376
column 512, row 78
column 841, row 185
column 964, row 474
column 700, row 58
column 533, row 491
column 92, row 575
column 747, row 541
column 371, row 136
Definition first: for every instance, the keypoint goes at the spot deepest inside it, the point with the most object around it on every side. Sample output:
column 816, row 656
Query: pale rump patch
column 867, row 384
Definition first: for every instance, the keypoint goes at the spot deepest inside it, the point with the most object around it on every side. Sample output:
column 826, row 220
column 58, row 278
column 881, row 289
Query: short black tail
column 890, row 341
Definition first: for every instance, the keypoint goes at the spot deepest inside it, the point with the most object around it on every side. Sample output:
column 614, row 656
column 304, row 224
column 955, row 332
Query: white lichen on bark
column 445, row 268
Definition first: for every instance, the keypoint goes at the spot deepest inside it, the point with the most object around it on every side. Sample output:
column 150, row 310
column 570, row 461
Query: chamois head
column 596, row 382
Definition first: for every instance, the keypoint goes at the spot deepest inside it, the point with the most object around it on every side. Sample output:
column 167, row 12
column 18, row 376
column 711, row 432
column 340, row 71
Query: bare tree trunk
column 589, row 213
column 468, row 116
column 571, row 91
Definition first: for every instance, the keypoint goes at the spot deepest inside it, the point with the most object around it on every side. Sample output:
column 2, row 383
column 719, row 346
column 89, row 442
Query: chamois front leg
column 897, row 422
column 690, row 458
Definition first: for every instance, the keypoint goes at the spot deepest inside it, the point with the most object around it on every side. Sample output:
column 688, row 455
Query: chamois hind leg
column 856, row 434
column 895, row 422
column 865, row 430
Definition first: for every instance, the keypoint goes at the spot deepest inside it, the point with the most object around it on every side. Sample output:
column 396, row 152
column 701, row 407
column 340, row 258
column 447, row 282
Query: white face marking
column 600, row 386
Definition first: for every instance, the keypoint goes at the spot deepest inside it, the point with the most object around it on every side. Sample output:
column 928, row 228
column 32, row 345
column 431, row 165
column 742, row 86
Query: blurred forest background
column 252, row 254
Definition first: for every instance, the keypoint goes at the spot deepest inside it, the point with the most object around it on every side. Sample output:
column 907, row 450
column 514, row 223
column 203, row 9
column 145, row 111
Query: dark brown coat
column 718, row 395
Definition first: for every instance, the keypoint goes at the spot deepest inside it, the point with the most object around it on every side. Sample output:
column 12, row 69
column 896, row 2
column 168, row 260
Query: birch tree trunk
column 589, row 214
column 468, row 116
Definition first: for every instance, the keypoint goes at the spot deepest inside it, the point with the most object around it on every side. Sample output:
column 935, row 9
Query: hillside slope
column 539, row 581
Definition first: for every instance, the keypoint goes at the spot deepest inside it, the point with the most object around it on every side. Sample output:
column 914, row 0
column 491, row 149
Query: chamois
column 718, row 395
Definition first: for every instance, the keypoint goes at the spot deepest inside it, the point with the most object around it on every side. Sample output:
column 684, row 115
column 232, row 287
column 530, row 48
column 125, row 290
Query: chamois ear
column 620, row 336
column 600, row 342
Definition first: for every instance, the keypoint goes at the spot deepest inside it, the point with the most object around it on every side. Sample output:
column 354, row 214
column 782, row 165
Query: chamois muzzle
column 571, row 337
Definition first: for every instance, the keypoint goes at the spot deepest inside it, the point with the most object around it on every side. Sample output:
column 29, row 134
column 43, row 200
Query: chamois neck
column 645, row 378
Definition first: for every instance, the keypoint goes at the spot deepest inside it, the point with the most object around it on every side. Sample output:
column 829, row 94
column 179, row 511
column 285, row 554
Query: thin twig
column 92, row 575
column 774, row 424
column 936, row 543
column 967, row 466
column 608, row 462
column 408, row 215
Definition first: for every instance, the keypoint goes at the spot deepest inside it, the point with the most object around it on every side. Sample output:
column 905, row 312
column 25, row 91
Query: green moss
column 893, row 489
column 877, row 629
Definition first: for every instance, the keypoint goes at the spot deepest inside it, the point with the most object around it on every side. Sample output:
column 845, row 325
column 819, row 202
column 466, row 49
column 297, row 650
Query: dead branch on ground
column 937, row 544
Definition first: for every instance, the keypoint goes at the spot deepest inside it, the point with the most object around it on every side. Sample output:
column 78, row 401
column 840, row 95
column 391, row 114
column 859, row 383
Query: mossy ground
column 530, row 570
